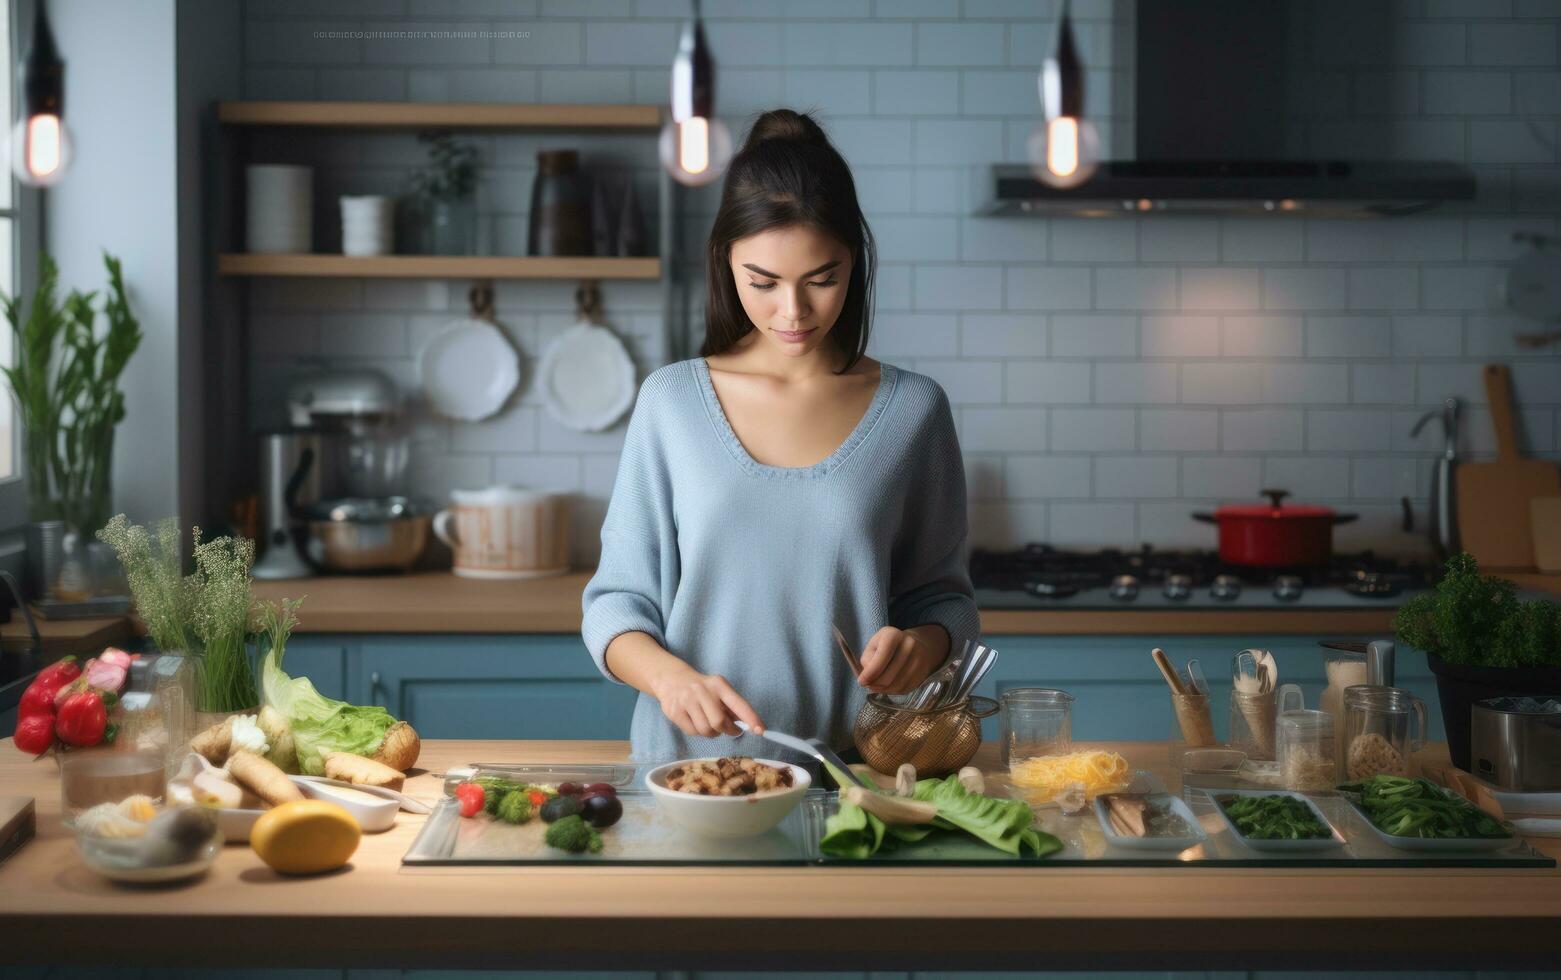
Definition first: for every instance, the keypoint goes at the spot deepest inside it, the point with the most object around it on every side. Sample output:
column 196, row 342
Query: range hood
column 1214, row 83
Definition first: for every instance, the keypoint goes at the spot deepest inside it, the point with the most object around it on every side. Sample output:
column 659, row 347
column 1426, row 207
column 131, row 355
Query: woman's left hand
column 895, row 661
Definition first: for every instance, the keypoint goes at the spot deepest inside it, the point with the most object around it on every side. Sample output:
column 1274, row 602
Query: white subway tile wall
column 1108, row 376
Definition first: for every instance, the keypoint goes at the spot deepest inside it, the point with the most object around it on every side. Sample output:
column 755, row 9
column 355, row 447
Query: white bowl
column 728, row 816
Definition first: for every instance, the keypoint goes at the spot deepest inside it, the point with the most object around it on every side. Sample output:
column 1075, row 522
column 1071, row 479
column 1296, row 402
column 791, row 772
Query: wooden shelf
column 444, row 115
column 439, row 266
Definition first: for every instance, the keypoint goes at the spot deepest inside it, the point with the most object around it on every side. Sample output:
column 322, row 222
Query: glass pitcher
column 1383, row 728
column 1036, row 721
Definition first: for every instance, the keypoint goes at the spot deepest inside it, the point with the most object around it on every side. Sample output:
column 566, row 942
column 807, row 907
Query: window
column 20, row 242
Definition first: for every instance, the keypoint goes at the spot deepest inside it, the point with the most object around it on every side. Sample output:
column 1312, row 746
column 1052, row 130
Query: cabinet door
column 532, row 686
column 322, row 659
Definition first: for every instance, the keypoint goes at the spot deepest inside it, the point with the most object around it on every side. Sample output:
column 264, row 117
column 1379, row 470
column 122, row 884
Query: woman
column 778, row 484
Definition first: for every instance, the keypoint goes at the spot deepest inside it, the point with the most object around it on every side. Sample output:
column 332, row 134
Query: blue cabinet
column 533, row 686
column 545, row 685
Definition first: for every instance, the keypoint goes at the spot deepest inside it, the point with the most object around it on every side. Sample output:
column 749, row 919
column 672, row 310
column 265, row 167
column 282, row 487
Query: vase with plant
column 1481, row 641
column 208, row 615
column 444, row 192
column 66, row 384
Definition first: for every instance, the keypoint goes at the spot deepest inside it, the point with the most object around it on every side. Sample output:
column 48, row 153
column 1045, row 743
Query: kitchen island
column 376, row 913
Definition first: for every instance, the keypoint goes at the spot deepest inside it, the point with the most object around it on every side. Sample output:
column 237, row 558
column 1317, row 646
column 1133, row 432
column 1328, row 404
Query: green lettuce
column 318, row 724
column 1004, row 824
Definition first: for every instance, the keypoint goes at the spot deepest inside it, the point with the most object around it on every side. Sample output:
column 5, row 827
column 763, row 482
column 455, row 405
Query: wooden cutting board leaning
column 1494, row 516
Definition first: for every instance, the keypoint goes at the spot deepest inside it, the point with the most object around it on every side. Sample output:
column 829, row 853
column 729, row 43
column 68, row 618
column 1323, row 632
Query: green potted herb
column 208, row 615
column 66, row 383
column 1481, row 641
column 444, row 192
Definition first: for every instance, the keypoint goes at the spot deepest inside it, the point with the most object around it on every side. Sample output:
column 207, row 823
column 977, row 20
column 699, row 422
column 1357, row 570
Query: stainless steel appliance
column 367, row 534
column 1038, row 576
column 1515, row 744
column 347, row 444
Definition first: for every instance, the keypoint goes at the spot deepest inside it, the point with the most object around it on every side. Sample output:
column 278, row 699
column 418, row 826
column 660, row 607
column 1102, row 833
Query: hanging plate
column 469, row 370
column 587, row 378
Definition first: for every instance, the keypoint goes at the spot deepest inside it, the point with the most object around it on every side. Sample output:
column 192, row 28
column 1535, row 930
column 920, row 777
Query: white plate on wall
column 586, row 378
column 469, row 370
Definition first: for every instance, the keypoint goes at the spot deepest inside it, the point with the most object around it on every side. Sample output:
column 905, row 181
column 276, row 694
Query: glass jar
column 1252, row 724
column 1344, row 669
column 108, row 774
column 1306, row 749
column 1192, row 726
column 1383, row 728
column 1036, row 721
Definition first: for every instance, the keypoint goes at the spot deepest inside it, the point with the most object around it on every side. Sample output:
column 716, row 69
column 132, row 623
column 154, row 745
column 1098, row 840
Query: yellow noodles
column 1043, row 778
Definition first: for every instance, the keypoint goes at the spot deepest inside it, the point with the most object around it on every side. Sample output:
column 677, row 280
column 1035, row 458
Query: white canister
column 367, row 225
column 506, row 532
column 280, row 208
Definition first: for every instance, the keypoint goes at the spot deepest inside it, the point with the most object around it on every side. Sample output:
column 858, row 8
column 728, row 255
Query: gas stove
column 1039, row 576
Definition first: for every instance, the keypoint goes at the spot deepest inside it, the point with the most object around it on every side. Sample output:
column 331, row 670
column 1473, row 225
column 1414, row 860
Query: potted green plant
column 208, row 615
column 1481, row 641
column 444, row 192
column 66, row 384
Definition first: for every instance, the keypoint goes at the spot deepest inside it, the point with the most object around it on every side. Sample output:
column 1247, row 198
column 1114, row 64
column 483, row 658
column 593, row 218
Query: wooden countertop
column 439, row 602
column 63, row 637
column 376, row 913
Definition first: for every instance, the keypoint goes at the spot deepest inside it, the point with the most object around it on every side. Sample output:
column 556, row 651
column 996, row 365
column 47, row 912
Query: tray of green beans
column 1418, row 815
column 1275, row 820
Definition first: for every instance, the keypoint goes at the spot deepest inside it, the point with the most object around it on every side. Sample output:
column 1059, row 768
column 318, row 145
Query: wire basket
column 937, row 741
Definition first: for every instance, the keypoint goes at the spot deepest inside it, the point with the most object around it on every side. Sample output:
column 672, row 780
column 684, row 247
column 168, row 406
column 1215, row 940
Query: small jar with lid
column 1383, row 728
column 1305, row 744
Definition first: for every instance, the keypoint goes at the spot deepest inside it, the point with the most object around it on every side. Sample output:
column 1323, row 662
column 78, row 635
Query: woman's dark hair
column 787, row 173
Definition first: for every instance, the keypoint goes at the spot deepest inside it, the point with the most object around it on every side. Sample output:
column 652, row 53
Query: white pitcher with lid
column 506, row 532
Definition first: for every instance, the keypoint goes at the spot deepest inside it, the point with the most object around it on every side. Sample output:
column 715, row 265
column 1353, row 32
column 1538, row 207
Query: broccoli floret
column 574, row 835
column 514, row 808
column 495, row 796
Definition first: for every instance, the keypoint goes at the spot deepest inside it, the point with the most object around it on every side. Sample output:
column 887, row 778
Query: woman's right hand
column 704, row 704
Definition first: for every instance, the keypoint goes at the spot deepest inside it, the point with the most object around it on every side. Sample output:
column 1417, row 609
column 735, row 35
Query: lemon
column 305, row 837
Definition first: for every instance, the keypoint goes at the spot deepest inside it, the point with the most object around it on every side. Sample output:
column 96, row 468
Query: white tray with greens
column 1415, row 814
column 1275, row 820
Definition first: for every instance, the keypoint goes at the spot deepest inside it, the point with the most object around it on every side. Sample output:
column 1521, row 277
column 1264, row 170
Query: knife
column 812, row 747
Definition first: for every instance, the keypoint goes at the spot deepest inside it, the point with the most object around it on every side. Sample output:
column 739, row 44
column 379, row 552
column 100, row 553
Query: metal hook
column 588, row 301
column 480, row 298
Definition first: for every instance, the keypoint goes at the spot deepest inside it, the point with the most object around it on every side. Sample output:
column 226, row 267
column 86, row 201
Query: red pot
column 1276, row 534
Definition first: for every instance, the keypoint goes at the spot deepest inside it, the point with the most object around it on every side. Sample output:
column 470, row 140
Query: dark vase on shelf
column 631, row 228
column 560, row 221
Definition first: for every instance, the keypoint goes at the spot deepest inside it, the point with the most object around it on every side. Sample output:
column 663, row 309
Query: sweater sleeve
column 930, row 578
column 637, row 574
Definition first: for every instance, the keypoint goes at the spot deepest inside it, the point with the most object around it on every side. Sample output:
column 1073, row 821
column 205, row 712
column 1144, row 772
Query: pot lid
column 367, row 510
column 1275, row 509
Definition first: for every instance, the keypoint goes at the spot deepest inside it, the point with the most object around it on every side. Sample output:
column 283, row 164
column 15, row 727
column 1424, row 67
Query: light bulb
column 696, row 151
column 1064, row 152
column 40, row 149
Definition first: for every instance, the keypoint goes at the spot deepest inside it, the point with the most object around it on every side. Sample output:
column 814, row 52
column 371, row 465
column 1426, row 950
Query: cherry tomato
column 471, row 797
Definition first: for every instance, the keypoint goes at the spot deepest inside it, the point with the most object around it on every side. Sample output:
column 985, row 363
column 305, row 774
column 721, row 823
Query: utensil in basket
column 980, row 662
column 937, row 740
column 943, row 678
column 846, row 651
column 808, row 746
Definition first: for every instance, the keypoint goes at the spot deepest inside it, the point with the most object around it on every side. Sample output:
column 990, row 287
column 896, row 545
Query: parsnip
column 400, row 748
column 215, row 742
column 263, row 778
column 361, row 770
column 890, row 809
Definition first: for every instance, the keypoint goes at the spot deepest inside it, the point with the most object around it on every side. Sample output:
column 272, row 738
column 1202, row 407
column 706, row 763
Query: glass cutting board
column 644, row 836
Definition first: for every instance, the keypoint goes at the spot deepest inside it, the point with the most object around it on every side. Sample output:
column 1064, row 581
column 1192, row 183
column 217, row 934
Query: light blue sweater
column 739, row 567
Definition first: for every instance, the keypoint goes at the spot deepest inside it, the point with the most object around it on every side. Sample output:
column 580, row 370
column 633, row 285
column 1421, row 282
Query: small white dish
column 1334, row 838
column 373, row 818
column 586, row 378
column 728, row 816
column 469, row 370
column 1177, row 805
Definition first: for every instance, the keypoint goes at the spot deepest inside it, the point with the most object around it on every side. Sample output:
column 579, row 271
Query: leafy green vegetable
column 1406, row 807
column 1004, row 824
column 514, row 808
column 318, row 723
column 1273, row 818
column 1478, row 621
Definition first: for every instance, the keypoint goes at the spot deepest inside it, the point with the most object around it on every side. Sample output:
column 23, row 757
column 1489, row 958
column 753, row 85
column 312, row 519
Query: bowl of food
column 136, row 841
column 734, row 796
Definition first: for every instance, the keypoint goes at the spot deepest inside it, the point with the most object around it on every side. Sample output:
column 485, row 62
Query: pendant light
column 1064, row 149
column 695, row 145
column 40, row 143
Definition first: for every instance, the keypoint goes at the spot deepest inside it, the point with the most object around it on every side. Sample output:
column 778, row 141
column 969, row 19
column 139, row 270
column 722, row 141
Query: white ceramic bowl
column 728, row 816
